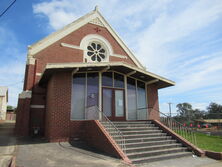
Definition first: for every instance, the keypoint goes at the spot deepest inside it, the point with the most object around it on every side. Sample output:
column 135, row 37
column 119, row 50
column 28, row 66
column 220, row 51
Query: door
column 114, row 104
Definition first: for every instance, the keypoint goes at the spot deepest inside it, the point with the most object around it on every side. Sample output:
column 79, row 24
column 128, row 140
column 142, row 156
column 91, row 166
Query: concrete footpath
column 189, row 161
column 7, row 143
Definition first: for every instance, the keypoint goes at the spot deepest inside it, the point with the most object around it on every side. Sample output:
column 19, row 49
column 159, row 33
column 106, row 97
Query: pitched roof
column 3, row 90
column 92, row 17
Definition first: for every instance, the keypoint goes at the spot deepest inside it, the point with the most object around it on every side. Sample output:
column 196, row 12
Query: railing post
column 177, row 127
column 110, row 127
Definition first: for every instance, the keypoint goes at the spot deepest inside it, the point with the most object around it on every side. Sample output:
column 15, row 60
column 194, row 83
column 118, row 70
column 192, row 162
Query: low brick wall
column 99, row 138
column 214, row 155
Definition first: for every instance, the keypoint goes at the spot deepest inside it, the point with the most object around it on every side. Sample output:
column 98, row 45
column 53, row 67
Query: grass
column 211, row 143
column 206, row 142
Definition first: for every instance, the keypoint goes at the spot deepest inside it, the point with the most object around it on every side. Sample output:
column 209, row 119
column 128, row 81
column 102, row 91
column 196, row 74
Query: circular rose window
column 96, row 52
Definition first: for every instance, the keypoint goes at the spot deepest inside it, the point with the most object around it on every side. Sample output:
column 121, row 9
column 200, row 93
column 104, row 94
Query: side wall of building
column 22, row 117
column 58, row 106
column 153, row 102
column 3, row 107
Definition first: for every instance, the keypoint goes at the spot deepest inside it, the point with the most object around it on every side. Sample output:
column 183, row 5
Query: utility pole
column 170, row 108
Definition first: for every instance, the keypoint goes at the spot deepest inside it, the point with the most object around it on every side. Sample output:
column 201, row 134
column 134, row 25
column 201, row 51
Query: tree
column 198, row 114
column 184, row 109
column 10, row 107
column 214, row 111
column 187, row 113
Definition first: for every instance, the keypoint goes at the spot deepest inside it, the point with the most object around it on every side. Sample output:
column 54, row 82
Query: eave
column 121, row 67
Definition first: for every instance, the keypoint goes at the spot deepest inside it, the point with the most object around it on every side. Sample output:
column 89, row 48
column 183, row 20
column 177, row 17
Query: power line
column 7, row 8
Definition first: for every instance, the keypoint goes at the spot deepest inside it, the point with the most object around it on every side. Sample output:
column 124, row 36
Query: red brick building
column 82, row 65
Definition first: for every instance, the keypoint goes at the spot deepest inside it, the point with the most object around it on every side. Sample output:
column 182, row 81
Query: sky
column 180, row 40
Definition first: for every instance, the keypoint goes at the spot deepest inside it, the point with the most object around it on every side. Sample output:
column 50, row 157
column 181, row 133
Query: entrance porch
column 120, row 91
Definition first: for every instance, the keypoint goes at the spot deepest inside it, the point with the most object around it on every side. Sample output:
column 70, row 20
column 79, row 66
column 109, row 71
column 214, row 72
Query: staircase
column 146, row 143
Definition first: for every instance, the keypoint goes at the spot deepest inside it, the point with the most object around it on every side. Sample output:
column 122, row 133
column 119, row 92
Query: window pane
column 92, row 89
column 119, row 103
column 141, row 95
column 141, row 101
column 118, row 80
column 131, row 97
column 107, row 79
column 78, row 96
column 107, row 102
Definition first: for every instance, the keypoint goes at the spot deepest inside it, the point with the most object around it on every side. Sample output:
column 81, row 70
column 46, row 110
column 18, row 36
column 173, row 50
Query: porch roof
column 120, row 67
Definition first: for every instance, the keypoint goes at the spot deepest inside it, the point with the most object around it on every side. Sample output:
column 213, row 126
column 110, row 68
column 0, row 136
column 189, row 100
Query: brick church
column 78, row 76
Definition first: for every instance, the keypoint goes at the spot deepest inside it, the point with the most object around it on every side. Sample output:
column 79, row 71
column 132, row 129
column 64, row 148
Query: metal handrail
column 177, row 127
column 116, row 134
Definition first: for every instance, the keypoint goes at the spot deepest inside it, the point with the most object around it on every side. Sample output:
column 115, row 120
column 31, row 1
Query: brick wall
column 22, row 117
column 58, row 106
column 153, row 103
column 29, row 77
column 96, row 138
column 55, row 53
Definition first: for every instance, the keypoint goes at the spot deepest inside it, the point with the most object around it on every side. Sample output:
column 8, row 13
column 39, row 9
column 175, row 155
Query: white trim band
column 70, row 46
column 79, row 47
column 119, row 56
column 25, row 94
column 37, row 106
column 30, row 60
column 38, row 74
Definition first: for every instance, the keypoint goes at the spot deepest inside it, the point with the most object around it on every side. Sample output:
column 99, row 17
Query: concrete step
column 150, row 126
column 134, row 125
column 139, row 129
column 110, row 129
column 141, row 132
column 135, row 129
column 152, row 148
column 152, row 143
column 160, row 157
column 128, row 122
column 147, row 139
column 132, row 122
column 156, row 152
column 132, row 136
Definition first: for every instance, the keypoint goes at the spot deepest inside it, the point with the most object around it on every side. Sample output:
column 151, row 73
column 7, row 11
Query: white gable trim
column 77, row 47
column 88, row 18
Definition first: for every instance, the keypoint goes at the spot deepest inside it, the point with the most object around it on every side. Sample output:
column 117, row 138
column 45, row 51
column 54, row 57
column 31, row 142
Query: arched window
column 96, row 48
column 96, row 51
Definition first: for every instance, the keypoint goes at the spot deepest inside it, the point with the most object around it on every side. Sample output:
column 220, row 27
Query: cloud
column 59, row 13
column 180, row 40
column 12, row 64
column 155, row 41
